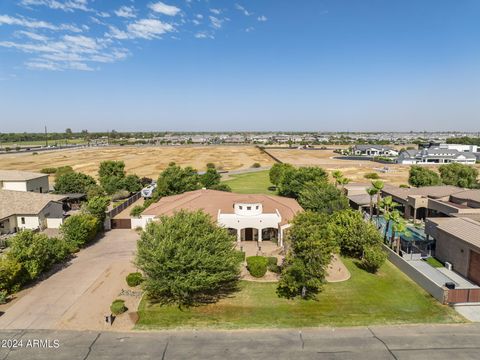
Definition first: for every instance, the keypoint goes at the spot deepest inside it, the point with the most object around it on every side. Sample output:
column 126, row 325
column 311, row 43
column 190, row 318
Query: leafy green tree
column 62, row 170
column 337, row 175
column 187, row 260
column 321, row 196
column 112, row 174
column 294, row 180
column 210, row 178
column 79, row 230
column 73, row 182
column 36, row 252
column 276, row 172
column 175, row 180
column 132, row 183
column 352, row 233
column 137, row 210
column 95, row 190
column 420, row 176
column 311, row 246
column 97, row 206
column 459, row 175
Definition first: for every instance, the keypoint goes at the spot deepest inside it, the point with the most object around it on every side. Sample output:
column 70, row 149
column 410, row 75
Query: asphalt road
column 396, row 342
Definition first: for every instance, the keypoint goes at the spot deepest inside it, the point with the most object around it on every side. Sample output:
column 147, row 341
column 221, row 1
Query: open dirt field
column 353, row 169
column 143, row 161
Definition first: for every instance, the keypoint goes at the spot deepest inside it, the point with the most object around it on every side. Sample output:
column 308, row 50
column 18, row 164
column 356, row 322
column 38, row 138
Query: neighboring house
column 459, row 147
column 23, row 181
column 250, row 217
column 457, row 241
column 435, row 156
column 374, row 150
column 29, row 210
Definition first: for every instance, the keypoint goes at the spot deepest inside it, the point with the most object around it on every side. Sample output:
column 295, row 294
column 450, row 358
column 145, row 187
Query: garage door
column 121, row 223
column 474, row 267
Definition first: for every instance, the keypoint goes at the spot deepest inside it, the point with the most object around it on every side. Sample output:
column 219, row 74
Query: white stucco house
column 374, row 150
column 29, row 210
column 435, row 156
column 252, row 217
column 23, row 181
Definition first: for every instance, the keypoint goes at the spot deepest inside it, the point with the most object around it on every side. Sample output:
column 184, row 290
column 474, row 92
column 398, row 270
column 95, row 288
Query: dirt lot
column 143, row 161
column 353, row 169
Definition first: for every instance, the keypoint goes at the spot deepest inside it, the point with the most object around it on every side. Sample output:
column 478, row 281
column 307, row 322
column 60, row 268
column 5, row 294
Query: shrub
column 373, row 258
column 134, row 279
column 272, row 265
column 10, row 272
column 256, row 165
column 120, row 195
column 371, row 176
column 257, row 266
column 49, row 170
column 137, row 211
column 79, row 230
column 118, row 307
column 404, row 186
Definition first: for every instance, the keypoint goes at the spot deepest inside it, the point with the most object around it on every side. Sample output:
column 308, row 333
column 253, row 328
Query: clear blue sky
column 206, row 65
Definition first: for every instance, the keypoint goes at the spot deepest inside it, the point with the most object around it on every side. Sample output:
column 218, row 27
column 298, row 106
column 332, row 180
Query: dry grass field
column 143, row 161
column 353, row 169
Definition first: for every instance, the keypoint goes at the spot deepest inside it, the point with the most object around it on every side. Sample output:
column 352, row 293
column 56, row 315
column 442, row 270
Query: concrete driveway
column 91, row 279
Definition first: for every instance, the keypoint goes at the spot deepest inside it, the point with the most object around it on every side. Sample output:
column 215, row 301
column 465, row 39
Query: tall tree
column 459, row 175
column 294, row 180
column 321, row 196
column 112, row 174
column 210, row 178
column 73, row 182
column 187, row 260
column 420, row 176
column 276, row 172
column 176, row 180
column 311, row 247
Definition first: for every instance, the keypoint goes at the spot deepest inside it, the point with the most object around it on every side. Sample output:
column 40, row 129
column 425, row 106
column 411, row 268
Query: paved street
column 86, row 282
column 402, row 342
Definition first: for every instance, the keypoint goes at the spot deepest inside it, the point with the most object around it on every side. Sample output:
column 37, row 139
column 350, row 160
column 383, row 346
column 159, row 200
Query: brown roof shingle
column 213, row 201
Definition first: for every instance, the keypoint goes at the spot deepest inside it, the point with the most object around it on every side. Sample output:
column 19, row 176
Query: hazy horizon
column 198, row 65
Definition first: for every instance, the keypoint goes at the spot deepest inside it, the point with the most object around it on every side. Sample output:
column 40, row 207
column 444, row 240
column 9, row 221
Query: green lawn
column 434, row 262
column 386, row 298
column 250, row 183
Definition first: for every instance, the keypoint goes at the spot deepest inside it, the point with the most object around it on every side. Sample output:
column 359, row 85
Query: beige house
column 457, row 241
column 252, row 217
column 23, row 181
column 29, row 210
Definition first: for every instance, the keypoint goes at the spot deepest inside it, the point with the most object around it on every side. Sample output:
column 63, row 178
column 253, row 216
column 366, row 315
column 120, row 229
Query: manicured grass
column 388, row 297
column 250, row 183
column 434, row 262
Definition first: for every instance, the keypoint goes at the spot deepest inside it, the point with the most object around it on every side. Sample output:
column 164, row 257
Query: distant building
column 23, row 181
column 435, row 156
column 374, row 150
column 249, row 217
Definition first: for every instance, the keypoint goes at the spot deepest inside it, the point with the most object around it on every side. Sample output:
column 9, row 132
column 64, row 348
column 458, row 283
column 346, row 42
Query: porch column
column 259, row 235
column 414, row 214
column 239, row 235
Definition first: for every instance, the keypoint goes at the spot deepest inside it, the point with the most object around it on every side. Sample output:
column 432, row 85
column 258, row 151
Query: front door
column 474, row 267
column 248, row 234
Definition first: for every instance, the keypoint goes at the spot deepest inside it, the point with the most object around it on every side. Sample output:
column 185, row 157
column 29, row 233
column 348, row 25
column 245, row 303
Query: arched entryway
column 270, row 234
column 249, row 234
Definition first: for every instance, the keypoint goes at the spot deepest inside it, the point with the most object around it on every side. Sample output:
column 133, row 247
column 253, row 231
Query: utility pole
column 46, row 137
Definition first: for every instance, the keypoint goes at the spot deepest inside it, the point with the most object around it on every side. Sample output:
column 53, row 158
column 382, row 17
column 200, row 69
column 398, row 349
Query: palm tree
column 387, row 205
column 399, row 226
column 343, row 181
column 337, row 174
column 371, row 192
column 378, row 184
